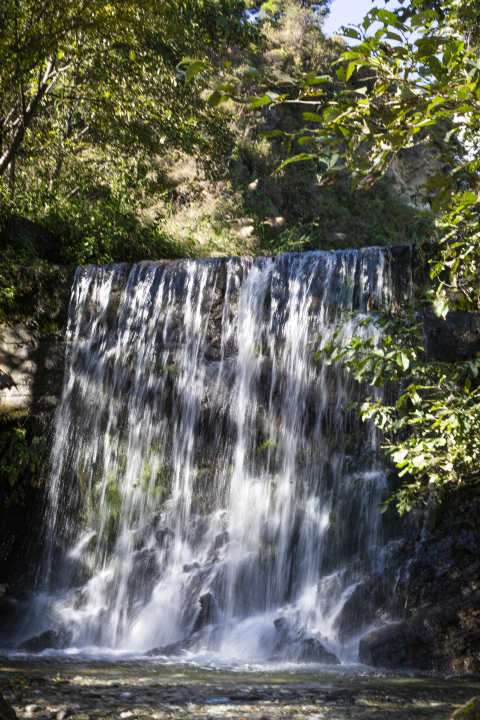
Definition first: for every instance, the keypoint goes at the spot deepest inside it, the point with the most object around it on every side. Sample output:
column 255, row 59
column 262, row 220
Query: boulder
column 415, row 643
column 208, row 639
column 49, row 639
column 357, row 614
column 209, row 612
column 293, row 643
column 469, row 711
column 6, row 711
column 171, row 649
column 312, row 650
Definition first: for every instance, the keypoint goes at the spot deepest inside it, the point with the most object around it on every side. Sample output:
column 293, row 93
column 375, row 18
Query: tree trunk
column 26, row 117
column 11, row 176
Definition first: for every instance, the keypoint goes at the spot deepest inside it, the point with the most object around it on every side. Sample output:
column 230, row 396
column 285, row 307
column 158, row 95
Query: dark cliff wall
column 32, row 356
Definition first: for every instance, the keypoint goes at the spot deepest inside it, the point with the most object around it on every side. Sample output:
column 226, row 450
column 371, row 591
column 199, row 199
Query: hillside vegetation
column 177, row 178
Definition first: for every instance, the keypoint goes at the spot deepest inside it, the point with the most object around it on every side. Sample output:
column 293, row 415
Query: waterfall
column 207, row 490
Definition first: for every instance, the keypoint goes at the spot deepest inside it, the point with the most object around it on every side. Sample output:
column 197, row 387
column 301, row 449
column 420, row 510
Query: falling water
column 205, row 480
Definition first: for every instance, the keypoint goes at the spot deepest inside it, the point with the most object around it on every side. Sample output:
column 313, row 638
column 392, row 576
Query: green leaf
column 440, row 306
column 216, row 98
column 273, row 133
column 351, row 33
column 296, row 158
column 260, row 101
column 442, row 200
column 350, row 71
column 194, row 68
column 387, row 17
column 313, row 79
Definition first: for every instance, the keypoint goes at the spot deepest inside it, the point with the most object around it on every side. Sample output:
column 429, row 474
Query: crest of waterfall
column 205, row 481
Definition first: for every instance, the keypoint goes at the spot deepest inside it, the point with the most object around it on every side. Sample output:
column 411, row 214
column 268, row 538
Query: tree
column 108, row 71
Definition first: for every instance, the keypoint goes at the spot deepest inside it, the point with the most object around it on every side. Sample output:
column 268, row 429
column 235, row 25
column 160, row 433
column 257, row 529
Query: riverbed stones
column 176, row 692
column 64, row 712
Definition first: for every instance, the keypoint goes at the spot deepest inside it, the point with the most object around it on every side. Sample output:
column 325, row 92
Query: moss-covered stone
column 469, row 711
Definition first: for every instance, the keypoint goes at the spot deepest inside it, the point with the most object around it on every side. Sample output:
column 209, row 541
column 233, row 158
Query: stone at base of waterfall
column 6, row 711
column 416, row 643
column 469, row 711
column 47, row 640
column 293, row 644
column 206, row 639
column 210, row 610
column 358, row 612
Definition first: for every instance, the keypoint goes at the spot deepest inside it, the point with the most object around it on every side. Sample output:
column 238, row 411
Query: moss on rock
column 469, row 711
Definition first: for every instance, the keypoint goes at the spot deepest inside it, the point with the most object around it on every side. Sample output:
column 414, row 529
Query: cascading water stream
column 205, row 481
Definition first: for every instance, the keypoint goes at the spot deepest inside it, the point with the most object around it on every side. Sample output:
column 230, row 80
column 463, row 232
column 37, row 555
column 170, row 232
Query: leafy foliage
column 127, row 156
column 413, row 83
column 431, row 429
column 287, row 210
column 89, row 94
column 89, row 71
column 422, row 90
column 23, row 461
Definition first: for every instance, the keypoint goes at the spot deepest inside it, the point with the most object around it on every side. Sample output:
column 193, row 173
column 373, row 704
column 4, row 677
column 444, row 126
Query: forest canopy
column 117, row 155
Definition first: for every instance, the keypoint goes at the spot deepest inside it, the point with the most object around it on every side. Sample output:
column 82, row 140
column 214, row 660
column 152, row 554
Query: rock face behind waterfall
column 437, row 595
column 207, row 490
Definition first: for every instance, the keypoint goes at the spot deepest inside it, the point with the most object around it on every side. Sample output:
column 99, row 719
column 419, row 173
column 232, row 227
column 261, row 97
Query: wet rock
column 208, row 638
column 292, row 643
column 209, row 612
column 168, row 650
column 50, row 639
column 164, row 536
column 415, row 643
column 465, row 665
column 357, row 613
column 312, row 650
column 220, row 540
column 32, row 709
column 64, row 712
column 190, row 568
column 469, row 711
column 6, row 711
column 454, row 338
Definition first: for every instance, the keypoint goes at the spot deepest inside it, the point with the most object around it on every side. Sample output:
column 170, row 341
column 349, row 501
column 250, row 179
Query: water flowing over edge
column 208, row 494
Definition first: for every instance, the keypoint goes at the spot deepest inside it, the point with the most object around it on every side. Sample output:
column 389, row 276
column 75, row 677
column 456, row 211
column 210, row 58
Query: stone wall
column 31, row 369
column 32, row 341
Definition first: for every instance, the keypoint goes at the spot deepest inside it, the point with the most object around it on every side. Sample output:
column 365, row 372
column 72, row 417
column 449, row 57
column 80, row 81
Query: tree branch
column 45, row 84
